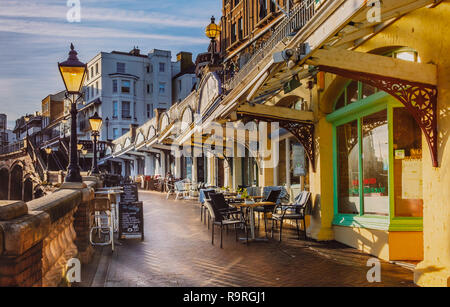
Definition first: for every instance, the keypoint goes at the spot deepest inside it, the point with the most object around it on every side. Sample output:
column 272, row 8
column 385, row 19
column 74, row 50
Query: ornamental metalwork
column 418, row 98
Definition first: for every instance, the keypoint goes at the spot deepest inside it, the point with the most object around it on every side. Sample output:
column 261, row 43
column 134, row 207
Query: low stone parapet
column 38, row 238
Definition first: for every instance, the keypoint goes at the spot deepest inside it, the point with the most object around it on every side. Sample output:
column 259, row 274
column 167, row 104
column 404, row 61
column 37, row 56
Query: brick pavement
column 177, row 251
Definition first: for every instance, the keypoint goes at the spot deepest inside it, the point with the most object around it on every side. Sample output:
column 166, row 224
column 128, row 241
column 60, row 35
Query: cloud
column 80, row 31
column 25, row 9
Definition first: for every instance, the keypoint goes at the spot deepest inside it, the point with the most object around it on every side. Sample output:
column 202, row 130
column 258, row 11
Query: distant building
column 184, row 77
column 3, row 128
column 126, row 87
column 30, row 128
column 52, row 114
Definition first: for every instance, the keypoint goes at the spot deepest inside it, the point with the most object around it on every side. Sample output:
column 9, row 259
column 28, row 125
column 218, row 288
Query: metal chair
column 296, row 211
column 224, row 217
column 203, row 208
column 273, row 198
column 169, row 188
column 104, row 221
column 180, row 188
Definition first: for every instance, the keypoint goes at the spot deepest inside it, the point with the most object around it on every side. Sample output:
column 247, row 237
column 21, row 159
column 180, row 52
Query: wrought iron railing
column 10, row 148
column 299, row 16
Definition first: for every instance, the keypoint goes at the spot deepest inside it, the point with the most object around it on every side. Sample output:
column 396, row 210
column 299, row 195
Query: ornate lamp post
column 107, row 128
column 96, row 122
column 212, row 31
column 73, row 73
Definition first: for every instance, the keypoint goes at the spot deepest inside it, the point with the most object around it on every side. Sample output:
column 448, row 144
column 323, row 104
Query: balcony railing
column 10, row 148
column 299, row 16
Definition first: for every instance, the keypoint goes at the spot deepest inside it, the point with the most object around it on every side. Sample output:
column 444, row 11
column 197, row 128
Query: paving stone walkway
column 177, row 251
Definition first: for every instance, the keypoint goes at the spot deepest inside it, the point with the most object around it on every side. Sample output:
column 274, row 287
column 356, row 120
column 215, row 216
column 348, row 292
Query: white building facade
column 125, row 89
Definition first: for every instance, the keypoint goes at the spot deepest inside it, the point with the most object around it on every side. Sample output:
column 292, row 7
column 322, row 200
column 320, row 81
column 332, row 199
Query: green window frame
column 356, row 111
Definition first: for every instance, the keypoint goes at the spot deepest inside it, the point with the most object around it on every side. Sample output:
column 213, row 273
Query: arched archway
column 4, row 184
column 27, row 190
column 16, row 183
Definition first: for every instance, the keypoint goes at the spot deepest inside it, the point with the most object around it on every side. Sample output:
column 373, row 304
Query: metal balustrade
column 10, row 148
column 299, row 16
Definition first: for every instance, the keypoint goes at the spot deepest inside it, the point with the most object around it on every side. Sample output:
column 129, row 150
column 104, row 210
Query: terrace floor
column 177, row 251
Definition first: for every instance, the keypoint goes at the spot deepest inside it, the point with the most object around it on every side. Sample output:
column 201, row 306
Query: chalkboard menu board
column 131, row 220
column 130, row 193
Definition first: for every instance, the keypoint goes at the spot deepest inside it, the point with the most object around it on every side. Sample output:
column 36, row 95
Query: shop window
column 375, row 162
column 407, row 155
column 298, row 163
column 348, row 170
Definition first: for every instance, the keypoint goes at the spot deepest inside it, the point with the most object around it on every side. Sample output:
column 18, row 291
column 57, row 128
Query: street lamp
column 107, row 128
column 48, row 150
column 212, row 31
column 96, row 122
column 73, row 73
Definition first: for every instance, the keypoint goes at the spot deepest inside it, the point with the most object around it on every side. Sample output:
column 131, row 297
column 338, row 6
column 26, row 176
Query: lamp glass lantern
column 73, row 72
column 48, row 150
column 213, row 30
column 96, row 122
column 79, row 147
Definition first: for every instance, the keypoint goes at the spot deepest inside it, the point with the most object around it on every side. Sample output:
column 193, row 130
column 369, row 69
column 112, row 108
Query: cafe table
column 251, row 206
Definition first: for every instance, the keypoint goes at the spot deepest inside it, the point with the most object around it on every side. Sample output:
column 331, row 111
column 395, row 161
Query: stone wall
column 39, row 237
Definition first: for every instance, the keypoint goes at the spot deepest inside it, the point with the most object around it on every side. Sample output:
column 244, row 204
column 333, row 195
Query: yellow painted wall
column 427, row 31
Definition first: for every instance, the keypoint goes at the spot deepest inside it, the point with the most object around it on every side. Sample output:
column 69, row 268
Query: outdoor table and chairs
column 251, row 215
column 265, row 210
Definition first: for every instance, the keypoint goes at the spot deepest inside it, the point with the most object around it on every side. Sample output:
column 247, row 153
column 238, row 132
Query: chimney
column 133, row 131
column 185, row 59
column 135, row 51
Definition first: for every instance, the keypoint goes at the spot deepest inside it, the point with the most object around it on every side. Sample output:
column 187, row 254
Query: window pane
column 125, row 86
column 375, row 149
column 368, row 90
column 348, row 170
column 352, row 92
column 121, row 67
column 126, row 109
column 407, row 165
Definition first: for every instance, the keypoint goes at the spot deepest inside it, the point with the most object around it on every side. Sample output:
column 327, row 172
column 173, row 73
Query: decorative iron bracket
column 303, row 132
column 419, row 99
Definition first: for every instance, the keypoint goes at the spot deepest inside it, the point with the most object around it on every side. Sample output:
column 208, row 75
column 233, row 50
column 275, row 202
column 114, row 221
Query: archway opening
column 16, row 183
column 27, row 190
column 4, row 184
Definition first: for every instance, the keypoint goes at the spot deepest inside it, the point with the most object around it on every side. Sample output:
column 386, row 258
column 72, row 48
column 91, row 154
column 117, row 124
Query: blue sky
column 35, row 35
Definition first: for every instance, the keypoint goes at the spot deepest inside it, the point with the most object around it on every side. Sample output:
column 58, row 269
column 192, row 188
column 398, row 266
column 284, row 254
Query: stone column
column 194, row 169
column 178, row 167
